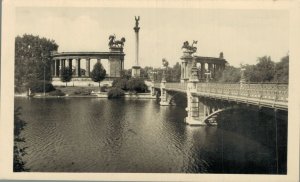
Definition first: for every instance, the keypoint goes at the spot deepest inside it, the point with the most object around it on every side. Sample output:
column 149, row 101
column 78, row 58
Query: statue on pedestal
column 113, row 43
column 137, row 19
column 188, row 47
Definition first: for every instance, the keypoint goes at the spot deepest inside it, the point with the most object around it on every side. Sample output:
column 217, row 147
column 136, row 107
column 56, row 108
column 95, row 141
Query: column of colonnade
column 58, row 64
column 212, row 68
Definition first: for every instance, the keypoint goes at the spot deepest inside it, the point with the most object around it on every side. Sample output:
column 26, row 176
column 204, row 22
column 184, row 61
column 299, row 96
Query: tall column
column 61, row 66
column 210, row 67
column 214, row 71
column 53, row 68
column 202, row 70
column 70, row 63
column 136, row 68
column 57, row 67
column 217, row 67
column 64, row 63
column 77, row 68
column 87, row 72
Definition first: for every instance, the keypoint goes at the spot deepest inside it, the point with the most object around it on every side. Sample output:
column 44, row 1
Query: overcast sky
column 243, row 35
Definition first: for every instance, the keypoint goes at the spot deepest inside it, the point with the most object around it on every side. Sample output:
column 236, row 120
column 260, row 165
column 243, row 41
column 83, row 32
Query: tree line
column 33, row 62
column 265, row 70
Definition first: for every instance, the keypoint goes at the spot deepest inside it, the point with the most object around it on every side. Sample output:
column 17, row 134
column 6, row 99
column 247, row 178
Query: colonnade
column 58, row 64
column 207, row 67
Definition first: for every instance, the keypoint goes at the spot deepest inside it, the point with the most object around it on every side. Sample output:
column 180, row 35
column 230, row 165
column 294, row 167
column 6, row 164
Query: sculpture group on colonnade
column 113, row 43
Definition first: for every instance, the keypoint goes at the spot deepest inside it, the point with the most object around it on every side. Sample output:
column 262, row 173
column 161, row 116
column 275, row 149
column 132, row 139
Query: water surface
column 100, row 135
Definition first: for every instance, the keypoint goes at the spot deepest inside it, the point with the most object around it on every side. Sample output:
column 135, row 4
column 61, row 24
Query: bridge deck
column 268, row 95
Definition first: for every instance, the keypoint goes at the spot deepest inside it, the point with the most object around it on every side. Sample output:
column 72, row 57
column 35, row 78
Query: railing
column 156, row 85
column 176, row 86
column 268, row 92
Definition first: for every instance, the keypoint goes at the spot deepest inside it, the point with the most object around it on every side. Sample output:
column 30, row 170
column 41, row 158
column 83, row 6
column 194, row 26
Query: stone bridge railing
column 272, row 95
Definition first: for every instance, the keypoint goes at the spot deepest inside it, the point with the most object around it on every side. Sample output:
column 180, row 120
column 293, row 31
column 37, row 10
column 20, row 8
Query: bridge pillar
column 193, row 100
column 164, row 95
column 152, row 91
column 186, row 65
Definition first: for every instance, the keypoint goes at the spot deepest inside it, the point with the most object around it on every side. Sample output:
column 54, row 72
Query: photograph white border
column 7, row 90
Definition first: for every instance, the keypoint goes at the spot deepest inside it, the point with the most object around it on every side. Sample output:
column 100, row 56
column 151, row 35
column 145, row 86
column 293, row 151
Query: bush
column 38, row 86
column 57, row 93
column 103, row 88
column 115, row 93
column 137, row 85
column 120, row 83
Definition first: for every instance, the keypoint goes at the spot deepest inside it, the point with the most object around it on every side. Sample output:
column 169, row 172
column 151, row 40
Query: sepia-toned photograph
column 151, row 90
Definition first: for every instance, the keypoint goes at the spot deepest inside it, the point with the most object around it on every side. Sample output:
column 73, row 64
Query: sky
column 242, row 35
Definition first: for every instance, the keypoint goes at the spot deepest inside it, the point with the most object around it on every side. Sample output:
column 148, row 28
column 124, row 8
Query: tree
column 66, row 75
column 126, row 73
column 98, row 73
column 19, row 152
column 120, row 83
column 176, row 72
column 282, row 70
column 231, row 74
column 263, row 71
column 32, row 55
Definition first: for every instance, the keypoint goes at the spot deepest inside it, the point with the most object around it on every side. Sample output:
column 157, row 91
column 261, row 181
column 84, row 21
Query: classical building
column 208, row 67
column 81, row 76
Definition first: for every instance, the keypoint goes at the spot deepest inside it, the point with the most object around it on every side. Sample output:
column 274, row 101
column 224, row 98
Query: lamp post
column 243, row 80
column 44, row 65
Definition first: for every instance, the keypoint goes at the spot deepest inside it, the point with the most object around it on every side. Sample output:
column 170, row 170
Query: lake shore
column 93, row 95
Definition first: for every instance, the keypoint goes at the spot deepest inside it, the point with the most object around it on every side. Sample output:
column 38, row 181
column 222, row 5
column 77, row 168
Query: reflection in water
column 100, row 135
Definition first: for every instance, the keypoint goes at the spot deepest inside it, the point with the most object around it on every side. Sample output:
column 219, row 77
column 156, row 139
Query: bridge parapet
column 182, row 87
column 275, row 93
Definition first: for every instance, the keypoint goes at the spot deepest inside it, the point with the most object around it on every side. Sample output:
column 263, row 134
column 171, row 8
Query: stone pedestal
column 136, row 71
column 186, row 65
column 193, row 107
column 192, row 100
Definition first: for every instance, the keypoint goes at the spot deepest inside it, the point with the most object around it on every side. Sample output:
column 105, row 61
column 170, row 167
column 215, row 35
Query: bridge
column 219, row 97
column 215, row 98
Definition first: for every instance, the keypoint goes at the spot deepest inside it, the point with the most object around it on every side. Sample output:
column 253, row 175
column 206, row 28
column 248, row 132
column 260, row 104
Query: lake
column 119, row 135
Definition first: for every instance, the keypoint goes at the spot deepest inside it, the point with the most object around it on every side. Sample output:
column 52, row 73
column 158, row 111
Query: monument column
column 136, row 68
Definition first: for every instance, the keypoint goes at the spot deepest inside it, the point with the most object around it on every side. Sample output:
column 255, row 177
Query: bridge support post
column 193, row 100
column 164, row 95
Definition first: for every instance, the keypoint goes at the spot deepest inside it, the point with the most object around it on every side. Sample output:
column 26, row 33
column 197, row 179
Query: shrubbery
column 136, row 85
column 38, row 86
column 82, row 92
column 104, row 88
column 57, row 93
column 115, row 93
column 120, row 83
